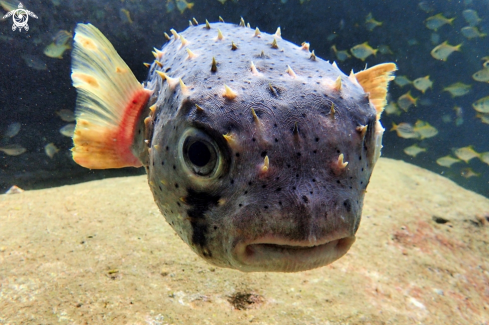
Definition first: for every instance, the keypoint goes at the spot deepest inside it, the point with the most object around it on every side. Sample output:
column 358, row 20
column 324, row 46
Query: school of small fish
column 442, row 51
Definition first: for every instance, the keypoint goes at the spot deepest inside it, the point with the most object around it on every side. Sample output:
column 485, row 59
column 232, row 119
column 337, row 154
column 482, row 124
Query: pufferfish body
column 258, row 152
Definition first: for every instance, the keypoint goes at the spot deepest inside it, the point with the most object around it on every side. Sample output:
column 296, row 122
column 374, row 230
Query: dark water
column 32, row 97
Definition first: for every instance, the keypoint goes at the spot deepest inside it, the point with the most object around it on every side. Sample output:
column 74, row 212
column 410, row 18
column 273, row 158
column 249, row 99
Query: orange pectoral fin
column 108, row 146
column 375, row 81
column 109, row 103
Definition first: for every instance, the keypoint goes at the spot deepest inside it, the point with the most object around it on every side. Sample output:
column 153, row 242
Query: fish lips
column 275, row 254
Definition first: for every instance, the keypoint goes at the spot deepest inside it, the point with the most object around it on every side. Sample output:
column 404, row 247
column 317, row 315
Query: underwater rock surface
column 101, row 252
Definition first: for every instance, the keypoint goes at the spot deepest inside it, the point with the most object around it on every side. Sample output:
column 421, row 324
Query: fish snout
column 298, row 237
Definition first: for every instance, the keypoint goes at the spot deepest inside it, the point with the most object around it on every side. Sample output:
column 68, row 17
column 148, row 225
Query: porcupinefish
column 258, row 152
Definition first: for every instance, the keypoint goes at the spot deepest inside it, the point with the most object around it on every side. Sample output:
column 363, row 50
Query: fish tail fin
column 375, row 51
column 394, row 126
column 458, row 47
column 190, row 5
column 375, row 81
column 450, row 21
column 109, row 103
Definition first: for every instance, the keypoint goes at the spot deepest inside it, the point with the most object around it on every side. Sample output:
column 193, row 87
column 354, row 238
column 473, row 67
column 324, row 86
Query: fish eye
column 200, row 153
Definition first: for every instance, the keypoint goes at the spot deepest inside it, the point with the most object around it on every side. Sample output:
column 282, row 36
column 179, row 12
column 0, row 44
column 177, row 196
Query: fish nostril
column 305, row 199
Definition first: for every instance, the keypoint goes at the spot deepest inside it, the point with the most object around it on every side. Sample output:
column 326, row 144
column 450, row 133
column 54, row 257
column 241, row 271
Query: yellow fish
column 482, row 105
column 66, row 115
column 484, row 157
column 402, row 81
column 483, row 117
column 406, row 100
column 482, row 75
column 371, row 23
column 125, row 16
column 68, row 130
column 50, row 150
column 447, row 161
column 414, row 150
column 458, row 89
column 404, row 130
column 442, row 51
column 170, row 5
column 392, row 108
column 436, row 21
column 385, row 49
column 459, row 111
column 468, row 173
column 466, row 153
column 362, row 51
column 182, row 5
column 341, row 55
column 422, row 84
column 471, row 32
column 62, row 37
column 56, row 51
column 13, row 149
column 471, row 17
column 424, row 129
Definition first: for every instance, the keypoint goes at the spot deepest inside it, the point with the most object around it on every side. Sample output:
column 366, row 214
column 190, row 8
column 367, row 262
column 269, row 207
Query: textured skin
column 304, row 197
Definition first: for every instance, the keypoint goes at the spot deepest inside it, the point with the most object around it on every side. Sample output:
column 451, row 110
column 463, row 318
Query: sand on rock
column 101, row 252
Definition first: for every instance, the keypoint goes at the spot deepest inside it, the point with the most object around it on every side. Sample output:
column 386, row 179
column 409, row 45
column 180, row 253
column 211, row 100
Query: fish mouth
column 282, row 255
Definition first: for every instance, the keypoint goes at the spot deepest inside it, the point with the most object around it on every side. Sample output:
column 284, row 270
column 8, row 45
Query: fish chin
column 279, row 255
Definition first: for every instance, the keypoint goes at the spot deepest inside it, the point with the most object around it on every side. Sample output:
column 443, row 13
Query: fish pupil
column 199, row 154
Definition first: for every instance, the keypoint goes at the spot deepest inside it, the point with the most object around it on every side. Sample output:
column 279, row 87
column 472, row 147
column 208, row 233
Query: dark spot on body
column 263, row 154
column 305, row 199
column 347, row 204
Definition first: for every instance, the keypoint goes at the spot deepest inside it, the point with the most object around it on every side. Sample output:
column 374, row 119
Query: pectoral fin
column 109, row 103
